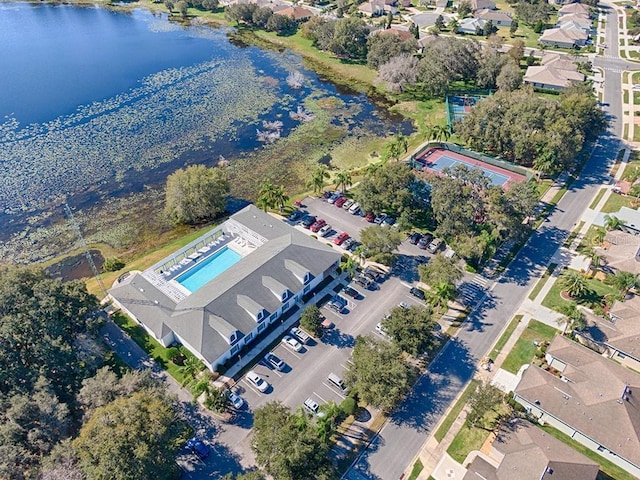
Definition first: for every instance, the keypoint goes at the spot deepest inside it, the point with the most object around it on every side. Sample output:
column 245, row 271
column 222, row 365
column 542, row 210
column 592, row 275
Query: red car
column 339, row 202
column 318, row 225
column 370, row 217
column 340, row 239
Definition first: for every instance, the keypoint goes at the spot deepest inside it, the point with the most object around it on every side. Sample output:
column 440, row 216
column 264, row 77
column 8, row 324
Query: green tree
column 217, row 399
column 440, row 269
column 196, row 194
column 182, row 8
column 453, row 25
column 514, row 27
column 464, row 9
column 311, row 320
column 623, row 281
column 190, row 369
column 387, row 189
column 131, row 438
column 611, row 222
column 489, row 28
column 317, row 178
column 483, row 407
column 397, row 146
column 271, row 196
column 286, row 448
column 510, row 77
column 574, row 317
column 441, row 294
column 281, row 24
column 440, row 22
column 573, row 283
column 255, row 475
column 343, row 180
column 377, row 239
column 113, row 264
column 350, row 38
column 378, row 373
column 411, row 329
column 349, row 264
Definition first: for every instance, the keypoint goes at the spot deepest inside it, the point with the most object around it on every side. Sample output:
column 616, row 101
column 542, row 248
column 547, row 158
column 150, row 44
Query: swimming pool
column 209, row 269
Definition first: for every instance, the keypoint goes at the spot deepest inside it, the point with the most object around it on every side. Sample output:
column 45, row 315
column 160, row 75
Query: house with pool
column 225, row 291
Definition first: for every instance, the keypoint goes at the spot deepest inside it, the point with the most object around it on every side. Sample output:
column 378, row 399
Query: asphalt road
column 403, row 435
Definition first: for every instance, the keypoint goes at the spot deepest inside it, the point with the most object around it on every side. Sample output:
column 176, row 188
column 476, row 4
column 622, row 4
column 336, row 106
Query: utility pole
column 87, row 254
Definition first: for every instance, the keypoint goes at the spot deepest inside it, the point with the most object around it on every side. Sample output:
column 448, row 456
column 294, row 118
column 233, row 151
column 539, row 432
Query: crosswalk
column 471, row 291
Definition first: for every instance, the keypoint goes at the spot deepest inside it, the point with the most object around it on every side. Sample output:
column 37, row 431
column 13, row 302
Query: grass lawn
column 616, row 202
column 588, row 239
column 524, row 349
column 544, row 185
column 572, row 236
column 471, row 438
column 542, row 281
column 597, row 198
column 611, row 470
column 417, row 468
column 455, row 411
column 505, row 337
column 598, row 290
column 151, row 346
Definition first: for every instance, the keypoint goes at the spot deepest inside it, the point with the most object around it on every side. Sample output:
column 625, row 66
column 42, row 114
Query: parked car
column 352, row 292
column 354, row 209
column 340, row 239
column 347, row 205
column 348, row 242
column 370, row 217
column 340, row 202
column 414, row 238
column 380, row 218
column 257, row 381
column 334, row 197
column 300, row 335
column 292, row 343
column 435, row 245
column 424, row 241
column 327, row 194
column 307, row 221
column 235, row 399
column 418, row 293
column 296, row 215
column 335, row 305
column 354, row 245
column 373, row 274
column 274, row 361
column 312, row 407
column 389, row 221
column 326, row 230
column 380, row 330
column 198, row 447
column 317, row 225
column 364, row 282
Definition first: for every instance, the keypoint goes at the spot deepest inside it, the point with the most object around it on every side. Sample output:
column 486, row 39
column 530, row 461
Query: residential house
column 376, row 8
column 427, row 20
column 590, row 398
column 482, row 5
column 574, row 8
column 499, row 19
column 563, row 38
column 299, row 14
column 523, row 451
column 575, row 21
column 551, row 78
column 399, row 31
column 629, row 216
column 471, row 25
column 224, row 292
column 621, row 335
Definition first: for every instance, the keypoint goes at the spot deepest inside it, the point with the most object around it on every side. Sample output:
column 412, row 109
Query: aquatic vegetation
column 295, row 79
column 302, row 115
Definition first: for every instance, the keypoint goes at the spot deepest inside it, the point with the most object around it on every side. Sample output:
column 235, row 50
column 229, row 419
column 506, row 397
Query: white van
column 300, row 334
column 337, row 381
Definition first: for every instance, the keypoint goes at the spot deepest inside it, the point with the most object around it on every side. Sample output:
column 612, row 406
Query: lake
column 97, row 105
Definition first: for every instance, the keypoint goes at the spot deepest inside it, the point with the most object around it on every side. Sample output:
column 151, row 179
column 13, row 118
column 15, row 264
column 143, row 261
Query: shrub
column 113, row 264
column 348, row 406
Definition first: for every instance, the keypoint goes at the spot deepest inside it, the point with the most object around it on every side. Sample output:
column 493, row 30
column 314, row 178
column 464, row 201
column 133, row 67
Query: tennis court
column 438, row 159
column 458, row 106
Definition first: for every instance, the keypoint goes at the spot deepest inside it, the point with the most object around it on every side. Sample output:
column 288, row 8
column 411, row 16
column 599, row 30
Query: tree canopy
column 196, row 193
column 440, row 269
column 311, row 320
column 386, row 189
column 378, row 372
column 411, row 329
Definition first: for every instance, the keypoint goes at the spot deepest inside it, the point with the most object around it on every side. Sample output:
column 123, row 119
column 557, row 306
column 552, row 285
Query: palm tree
column 401, row 145
column 595, row 257
column 611, row 222
column 280, row 198
column 317, row 178
column 623, row 281
column 349, row 264
column 190, row 369
column 598, row 236
column 266, row 195
column 372, row 168
column 441, row 294
column 573, row 283
column 344, row 180
column 544, row 164
column 572, row 317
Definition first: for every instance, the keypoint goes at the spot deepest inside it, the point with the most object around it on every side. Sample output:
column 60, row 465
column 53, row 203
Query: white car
column 312, row 406
column 326, row 230
column 355, row 208
column 380, row 218
column 257, row 381
column 292, row 343
column 347, row 205
column 236, row 400
column 380, row 330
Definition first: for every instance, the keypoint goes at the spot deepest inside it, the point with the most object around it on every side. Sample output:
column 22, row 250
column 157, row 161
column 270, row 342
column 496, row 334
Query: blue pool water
column 209, row 269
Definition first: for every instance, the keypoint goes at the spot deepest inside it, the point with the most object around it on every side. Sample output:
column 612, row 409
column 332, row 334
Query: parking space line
column 252, row 387
column 295, row 354
column 341, row 395
column 322, row 399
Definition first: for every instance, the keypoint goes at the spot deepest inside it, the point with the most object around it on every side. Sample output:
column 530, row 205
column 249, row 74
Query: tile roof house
column 565, row 38
column 574, row 8
column 276, row 266
column 592, row 399
column 376, row 8
column 471, row 25
column 556, row 72
column 499, row 19
column 425, row 20
column 522, row 451
column 296, row 13
column 577, row 22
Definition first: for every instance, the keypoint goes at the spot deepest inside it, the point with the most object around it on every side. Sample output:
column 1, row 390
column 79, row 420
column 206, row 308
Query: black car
column 416, row 292
column 414, row 238
column 352, row 292
column 424, row 241
column 364, row 282
column 373, row 274
column 308, row 221
column 354, row 245
column 296, row 215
